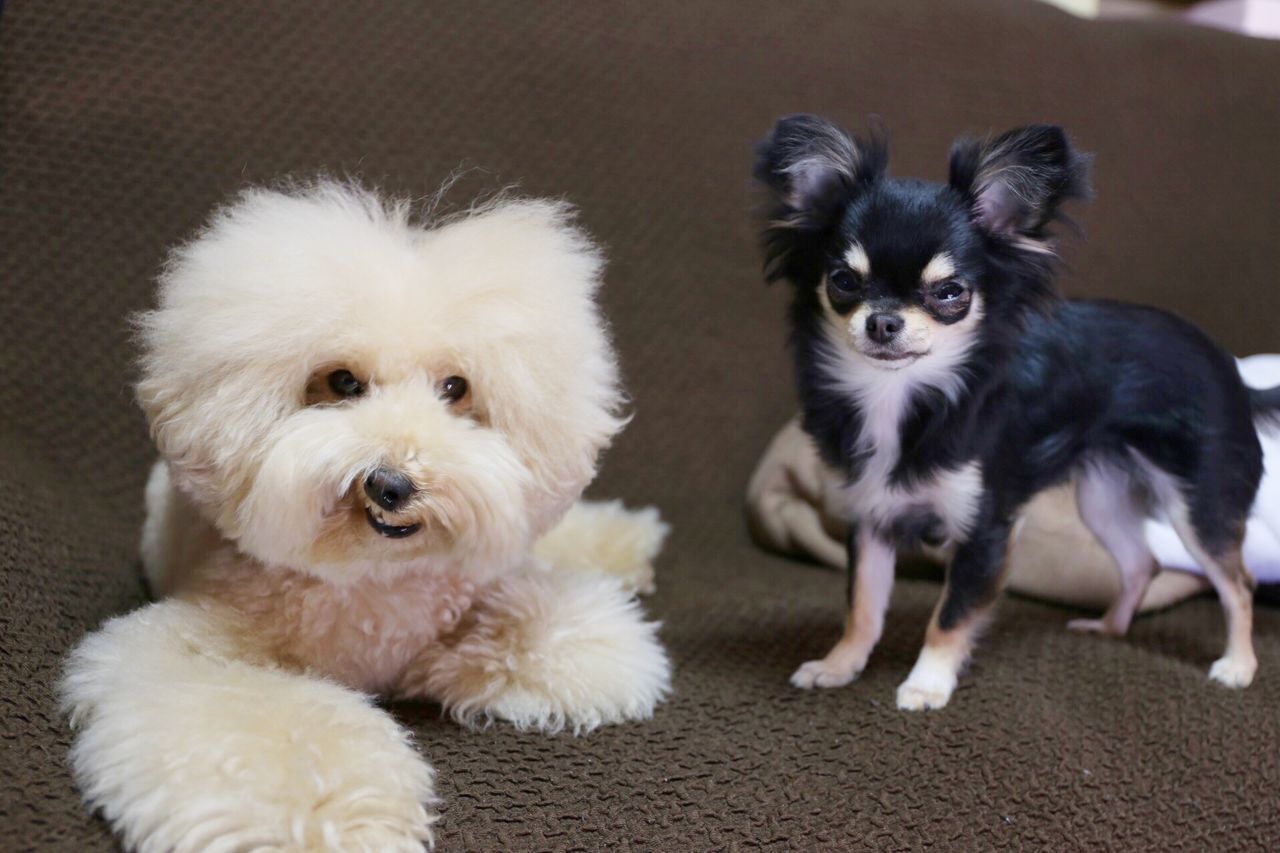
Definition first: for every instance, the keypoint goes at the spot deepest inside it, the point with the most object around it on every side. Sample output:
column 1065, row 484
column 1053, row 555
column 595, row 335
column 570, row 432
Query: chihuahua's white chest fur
column 883, row 397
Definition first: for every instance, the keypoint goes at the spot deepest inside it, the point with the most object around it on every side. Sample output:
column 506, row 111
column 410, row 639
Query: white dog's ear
column 202, row 425
column 217, row 367
column 539, row 236
column 552, row 378
column 169, row 416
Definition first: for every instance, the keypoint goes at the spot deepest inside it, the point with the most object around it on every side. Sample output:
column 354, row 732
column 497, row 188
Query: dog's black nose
column 882, row 327
column 388, row 489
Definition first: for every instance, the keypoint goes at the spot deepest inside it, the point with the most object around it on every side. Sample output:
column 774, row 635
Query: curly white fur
column 227, row 716
column 547, row 650
column 189, row 740
column 606, row 536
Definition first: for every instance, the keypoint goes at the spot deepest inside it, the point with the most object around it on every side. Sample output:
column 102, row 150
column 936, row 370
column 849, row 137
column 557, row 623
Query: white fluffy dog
column 364, row 424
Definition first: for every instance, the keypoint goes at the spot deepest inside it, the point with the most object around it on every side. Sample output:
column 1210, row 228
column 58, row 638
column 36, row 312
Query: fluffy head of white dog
column 344, row 391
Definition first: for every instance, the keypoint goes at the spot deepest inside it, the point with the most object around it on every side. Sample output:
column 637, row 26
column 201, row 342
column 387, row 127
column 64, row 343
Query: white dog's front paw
column 549, row 650
column 185, row 750
column 1234, row 672
column 393, row 835
column 824, row 673
column 259, row 772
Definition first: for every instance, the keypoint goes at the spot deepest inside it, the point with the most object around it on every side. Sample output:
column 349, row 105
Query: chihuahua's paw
column 1234, row 672
column 924, row 694
column 824, row 673
column 1095, row 626
column 913, row 697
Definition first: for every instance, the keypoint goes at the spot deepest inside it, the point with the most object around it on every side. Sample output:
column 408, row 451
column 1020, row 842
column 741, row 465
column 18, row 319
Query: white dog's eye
column 344, row 384
column 453, row 389
column 949, row 292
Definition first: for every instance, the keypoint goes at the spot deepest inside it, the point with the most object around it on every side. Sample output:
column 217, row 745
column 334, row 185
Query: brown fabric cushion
column 122, row 124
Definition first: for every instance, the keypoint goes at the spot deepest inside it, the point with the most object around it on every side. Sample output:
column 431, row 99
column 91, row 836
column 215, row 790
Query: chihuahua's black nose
column 883, row 327
column 388, row 489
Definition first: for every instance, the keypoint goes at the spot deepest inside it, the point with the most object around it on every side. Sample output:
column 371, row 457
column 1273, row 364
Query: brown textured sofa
column 122, row 124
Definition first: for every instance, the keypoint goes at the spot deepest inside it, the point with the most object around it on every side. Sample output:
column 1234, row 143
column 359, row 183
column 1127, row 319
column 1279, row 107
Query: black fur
column 1047, row 385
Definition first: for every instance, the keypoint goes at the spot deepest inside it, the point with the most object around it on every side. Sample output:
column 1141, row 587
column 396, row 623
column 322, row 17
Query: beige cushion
column 1054, row 556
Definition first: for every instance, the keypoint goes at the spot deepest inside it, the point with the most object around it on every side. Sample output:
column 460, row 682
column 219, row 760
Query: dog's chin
column 886, row 359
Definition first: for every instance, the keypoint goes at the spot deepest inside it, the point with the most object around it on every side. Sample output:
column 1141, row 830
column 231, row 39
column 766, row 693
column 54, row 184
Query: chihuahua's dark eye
column 949, row 292
column 842, row 281
column 454, row 389
column 344, row 384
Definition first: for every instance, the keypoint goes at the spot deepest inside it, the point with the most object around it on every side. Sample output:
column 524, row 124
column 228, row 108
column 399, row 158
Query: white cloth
column 1262, row 537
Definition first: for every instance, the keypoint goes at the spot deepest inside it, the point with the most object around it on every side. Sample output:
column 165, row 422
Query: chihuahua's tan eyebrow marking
column 856, row 258
column 939, row 268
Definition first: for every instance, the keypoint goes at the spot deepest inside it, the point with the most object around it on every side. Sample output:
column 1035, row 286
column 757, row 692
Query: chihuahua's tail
column 1266, row 406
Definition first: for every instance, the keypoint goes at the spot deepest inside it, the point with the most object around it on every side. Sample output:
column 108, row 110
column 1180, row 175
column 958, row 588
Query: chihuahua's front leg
column 973, row 583
column 871, row 562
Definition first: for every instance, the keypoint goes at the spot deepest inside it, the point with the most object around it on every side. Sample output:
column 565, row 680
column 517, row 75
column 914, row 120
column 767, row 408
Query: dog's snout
column 387, row 488
column 883, row 327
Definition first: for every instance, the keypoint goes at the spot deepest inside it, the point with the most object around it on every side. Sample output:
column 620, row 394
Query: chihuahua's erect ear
column 1017, row 182
column 811, row 169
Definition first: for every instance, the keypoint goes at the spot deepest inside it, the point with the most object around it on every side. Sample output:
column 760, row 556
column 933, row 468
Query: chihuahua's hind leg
column 1210, row 520
column 1234, row 585
column 1112, row 512
column 973, row 584
column 871, row 582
